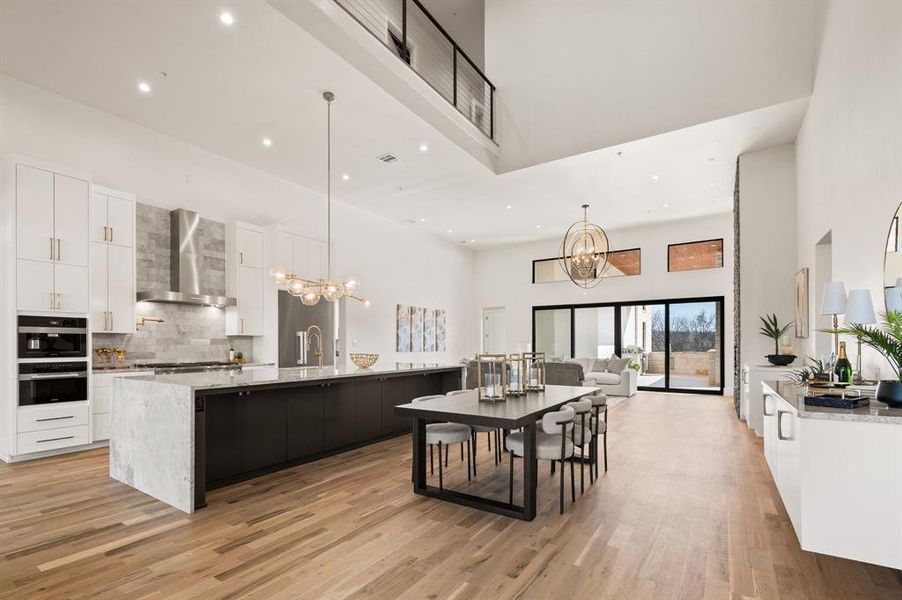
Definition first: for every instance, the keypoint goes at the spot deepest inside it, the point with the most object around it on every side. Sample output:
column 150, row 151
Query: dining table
column 513, row 412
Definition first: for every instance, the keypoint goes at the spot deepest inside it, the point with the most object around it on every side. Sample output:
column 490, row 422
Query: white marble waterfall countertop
column 875, row 412
column 264, row 376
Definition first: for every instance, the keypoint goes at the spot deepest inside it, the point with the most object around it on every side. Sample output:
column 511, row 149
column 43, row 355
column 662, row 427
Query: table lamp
column 833, row 303
column 860, row 311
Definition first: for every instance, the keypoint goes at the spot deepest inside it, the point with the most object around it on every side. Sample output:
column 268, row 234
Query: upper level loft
column 415, row 37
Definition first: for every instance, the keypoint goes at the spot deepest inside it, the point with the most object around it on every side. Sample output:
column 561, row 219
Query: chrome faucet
column 318, row 352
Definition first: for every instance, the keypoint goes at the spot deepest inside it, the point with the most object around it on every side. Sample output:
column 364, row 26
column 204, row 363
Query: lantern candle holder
column 491, row 377
column 534, row 363
column 516, row 375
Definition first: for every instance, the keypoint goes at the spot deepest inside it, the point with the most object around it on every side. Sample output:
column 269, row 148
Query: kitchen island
column 175, row 436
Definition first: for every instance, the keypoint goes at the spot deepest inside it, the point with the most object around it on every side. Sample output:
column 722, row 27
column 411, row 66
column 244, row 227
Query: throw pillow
column 600, row 365
column 617, row 364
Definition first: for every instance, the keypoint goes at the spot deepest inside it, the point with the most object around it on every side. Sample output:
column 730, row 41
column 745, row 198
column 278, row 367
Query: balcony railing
column 409, row 32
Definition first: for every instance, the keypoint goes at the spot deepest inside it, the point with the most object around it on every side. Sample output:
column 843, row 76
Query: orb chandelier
column 585, row 252
column 308, row 290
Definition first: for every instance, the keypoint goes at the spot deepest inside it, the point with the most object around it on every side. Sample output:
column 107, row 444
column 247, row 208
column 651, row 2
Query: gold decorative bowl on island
column 364, row 361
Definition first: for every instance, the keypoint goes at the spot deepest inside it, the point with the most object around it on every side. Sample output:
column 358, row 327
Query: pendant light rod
column 328, row 97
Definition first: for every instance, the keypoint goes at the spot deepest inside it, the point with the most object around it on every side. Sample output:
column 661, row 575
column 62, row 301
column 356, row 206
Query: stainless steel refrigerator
column 294, row 321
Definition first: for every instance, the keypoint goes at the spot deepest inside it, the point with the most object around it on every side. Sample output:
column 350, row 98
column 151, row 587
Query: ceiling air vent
column 388, row 158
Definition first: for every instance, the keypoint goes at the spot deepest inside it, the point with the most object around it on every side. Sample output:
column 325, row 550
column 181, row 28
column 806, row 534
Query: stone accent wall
column 188, row 333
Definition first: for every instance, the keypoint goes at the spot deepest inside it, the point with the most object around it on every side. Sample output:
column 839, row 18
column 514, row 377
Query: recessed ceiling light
column 226, row 18
column 538, row 226
column 655, row 177
column 345, row 176
column 267, row 142
column 508, row 207
column 711, row 183
column 666, row 205
column 422, row 220
column 472, row 241
column 143, row 87
column 424, row 148
column 450, row 231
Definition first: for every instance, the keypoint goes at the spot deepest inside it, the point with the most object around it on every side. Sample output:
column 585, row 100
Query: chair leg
column 461, row 452
column 498, row 448
column 606, row 452
column 572, row 481
column 469, row 460
column 511, row 492
column 592, row 448
column 562, row 486
column 475, row 444
column 431, row 460
column 447, row 447
column 440, row 482
column 552, row 467
column 488, row 439
column 582, row 467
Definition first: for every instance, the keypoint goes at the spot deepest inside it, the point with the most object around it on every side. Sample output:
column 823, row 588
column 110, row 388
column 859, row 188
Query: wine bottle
column 843, row 369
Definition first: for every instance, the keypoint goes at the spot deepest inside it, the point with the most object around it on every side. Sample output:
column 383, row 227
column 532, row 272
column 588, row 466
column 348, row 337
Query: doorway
column 494, row 330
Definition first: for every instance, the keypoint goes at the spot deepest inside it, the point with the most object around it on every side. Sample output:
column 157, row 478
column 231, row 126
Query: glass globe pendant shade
column 296, row 287
column 351, row 284
column 279, row 274
column 331, row 291
column 310, row 297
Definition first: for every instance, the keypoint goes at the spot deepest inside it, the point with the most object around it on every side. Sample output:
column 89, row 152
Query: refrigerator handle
column 302, row 348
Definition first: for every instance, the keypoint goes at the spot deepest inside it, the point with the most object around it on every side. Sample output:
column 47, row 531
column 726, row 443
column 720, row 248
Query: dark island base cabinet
column 243, row 434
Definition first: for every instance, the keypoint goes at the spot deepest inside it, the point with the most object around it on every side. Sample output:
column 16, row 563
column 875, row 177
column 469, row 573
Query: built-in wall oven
column 52, row 337
column 52, row 382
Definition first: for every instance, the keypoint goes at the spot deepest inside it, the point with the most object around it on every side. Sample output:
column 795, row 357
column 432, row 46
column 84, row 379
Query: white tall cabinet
column 44, row 270
column 51, row 219
column 112, row 235
column 244, row 278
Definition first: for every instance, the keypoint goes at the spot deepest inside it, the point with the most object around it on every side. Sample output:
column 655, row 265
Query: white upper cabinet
column 284, row 252
column 34, row 286
column 112, row 261
column 70, row 223
column 250, row 301
column 250, row 248
column 34, row 214
column 121, row 221
column 70, row 288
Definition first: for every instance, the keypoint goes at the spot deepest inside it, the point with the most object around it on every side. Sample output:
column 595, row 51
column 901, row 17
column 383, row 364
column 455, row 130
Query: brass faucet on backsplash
column 142, row 320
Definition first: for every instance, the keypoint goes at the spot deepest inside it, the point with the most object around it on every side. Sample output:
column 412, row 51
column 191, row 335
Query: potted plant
column 885, row 338
column 771, row 328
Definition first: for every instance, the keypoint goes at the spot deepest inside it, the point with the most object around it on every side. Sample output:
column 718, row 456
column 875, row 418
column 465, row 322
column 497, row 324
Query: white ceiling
column 662, row 178
column 574, row 76
column 227, row 88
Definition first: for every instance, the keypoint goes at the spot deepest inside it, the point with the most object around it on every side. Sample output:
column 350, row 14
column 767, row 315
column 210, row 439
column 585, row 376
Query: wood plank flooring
column 687, row 510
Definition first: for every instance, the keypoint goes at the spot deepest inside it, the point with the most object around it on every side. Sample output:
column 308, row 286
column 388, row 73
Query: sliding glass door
column 675, row 345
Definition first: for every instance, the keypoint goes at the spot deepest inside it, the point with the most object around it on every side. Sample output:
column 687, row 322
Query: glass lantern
column 535, row 371
column 516, row 375
column 491, row 377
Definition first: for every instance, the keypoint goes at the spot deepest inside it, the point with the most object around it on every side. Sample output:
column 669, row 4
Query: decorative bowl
column 364, row 361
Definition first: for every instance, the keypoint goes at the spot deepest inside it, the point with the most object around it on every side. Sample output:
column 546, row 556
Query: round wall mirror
column 892, row 265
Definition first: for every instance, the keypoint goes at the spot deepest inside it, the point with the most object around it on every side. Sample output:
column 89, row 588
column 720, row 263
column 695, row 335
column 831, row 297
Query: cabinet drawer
column 39, row 418
column 101, row 427
column 52, row 439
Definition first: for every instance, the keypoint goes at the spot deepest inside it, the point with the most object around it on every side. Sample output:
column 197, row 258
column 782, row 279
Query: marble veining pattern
column 875, row 412
column 263, row 376
column 152, row 440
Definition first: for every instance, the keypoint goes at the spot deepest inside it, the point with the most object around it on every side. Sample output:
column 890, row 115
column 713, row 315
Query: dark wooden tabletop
column 512, row 413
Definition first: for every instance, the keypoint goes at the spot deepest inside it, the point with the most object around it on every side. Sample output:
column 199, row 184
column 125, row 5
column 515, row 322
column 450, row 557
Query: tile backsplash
column 188, row 333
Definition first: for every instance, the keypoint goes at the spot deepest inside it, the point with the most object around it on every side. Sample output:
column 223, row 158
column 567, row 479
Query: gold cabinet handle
column 242, row 324
column 106, row 321
column 51, row 299
column 51, row 252
column 104, row 233
column 59, row 249
column 241, row 258
column 111, row 320
column 59, row 300
column 111, row 234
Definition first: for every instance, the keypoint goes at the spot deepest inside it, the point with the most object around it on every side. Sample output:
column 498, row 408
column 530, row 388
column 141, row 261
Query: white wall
column 767, row 200
column 504, row 276
column 849, row 151
column 394, row 262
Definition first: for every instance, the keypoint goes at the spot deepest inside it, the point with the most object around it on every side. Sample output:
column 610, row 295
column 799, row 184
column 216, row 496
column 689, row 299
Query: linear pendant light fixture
column 585, row 252
column 308, row 290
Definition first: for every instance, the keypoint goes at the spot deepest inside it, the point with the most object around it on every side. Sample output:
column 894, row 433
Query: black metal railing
column 409, row 32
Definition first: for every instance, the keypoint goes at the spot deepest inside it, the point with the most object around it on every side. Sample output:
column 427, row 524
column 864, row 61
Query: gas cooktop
column 187, row 367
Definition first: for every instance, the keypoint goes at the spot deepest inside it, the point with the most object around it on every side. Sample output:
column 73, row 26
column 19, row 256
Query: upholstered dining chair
column 599, row 426
column 553, row 443
column 445, row 434
column 582, row 436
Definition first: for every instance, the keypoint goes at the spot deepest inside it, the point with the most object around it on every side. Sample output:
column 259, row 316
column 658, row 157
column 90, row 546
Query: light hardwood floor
column 687, row 510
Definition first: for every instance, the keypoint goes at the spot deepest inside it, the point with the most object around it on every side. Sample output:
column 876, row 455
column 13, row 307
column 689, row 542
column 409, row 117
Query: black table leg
column 419, row 454
column 530, row 475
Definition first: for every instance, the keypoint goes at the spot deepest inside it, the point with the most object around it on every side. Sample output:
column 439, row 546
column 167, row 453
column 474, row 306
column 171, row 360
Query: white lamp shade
column 893, row 298
column 833, row 301
column 860, row 308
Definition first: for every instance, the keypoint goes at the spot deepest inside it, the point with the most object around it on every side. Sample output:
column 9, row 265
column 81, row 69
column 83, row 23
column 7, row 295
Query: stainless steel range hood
column 184, row 265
